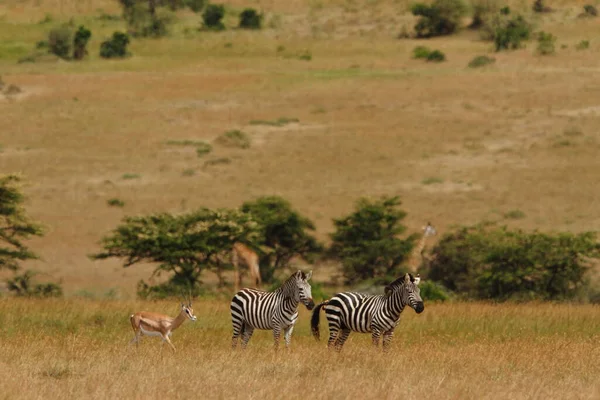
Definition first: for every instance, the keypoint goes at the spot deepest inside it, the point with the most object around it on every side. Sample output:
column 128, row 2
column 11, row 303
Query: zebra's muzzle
column 419, row 307
column 310, row 304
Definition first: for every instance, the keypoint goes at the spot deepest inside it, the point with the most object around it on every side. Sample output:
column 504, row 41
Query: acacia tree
column 145, row 19
column 184, row 245
column 367, row 243
column 283, row 231
column 15, row 226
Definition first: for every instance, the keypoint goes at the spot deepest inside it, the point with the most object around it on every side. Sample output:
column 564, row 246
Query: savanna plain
column 346, row 112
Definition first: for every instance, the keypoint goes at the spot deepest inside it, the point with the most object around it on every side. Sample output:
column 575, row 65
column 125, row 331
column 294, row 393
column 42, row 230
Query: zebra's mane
column 400, row 281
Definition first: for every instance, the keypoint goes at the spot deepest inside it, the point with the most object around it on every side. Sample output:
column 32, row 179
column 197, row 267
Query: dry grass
column 66, row 349
column 372, row 121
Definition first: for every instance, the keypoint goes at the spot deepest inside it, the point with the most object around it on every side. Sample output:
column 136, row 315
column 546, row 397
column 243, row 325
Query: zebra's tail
column 314, row 321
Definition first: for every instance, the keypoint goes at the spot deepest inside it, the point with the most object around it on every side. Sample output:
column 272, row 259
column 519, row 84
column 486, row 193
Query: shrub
column 250, row 19
column 421, row 52
column 584, row 44
column 546, row 43
column 432, row 291
column 153, row 17
column 508, row 32
column 82, row 36
column 436, row 56
column 443, row 17
column 212, row 17
column 589, row 11
column 481, row 61
column 195, row 5
column 485, row 262
column 540, row 7
column 482, row 11
column 203, row 148
column 115, row 202
column 234, row 138
column 23, row 285
column 366, row 241
column 59, row 41
column 116, row 47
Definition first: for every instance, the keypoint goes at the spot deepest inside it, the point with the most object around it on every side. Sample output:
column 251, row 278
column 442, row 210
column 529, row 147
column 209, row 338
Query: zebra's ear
column 407, row 278
column 309, row 275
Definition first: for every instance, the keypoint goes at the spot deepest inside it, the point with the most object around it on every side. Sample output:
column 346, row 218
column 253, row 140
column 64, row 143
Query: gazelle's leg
column 248, row 331
column 166, row 339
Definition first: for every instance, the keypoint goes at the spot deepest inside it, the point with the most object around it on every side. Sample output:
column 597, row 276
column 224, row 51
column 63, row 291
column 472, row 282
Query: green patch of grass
column 278, row 122
column 432, row 180
column 481, row 61
column 583, row 45
column 217, row 161
column 572, row 131
column 514, row 214
column 234, row 138
column 203, row 149
column 188, row 172
column 115, row 202
column 185, row 142
column 128, row 176
column 421, row 52
column 564, row 143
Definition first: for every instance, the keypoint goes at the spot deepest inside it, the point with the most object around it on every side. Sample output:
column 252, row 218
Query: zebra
column 378, row 314
column 278, row 310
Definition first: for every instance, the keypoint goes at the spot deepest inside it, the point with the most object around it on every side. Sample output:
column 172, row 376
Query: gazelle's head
column 408, row 290
column 428, row 230
column 304, row 291
column 188, row 311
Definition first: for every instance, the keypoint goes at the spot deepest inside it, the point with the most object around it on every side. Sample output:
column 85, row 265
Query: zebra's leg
column 342, row 337
column 375, row 335
column 287, row 335
column 387, row 339
column 248, row 331
column 334, row 329
column 238, row 327
column 276, row 336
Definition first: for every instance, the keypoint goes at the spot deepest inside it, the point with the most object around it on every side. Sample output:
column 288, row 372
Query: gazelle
column 153, row 324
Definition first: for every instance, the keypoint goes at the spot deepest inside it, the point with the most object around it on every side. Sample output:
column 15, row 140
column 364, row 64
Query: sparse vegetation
column 129, row 176
column 22, row 285
column 217, row 161
column 589, row 11
column 114, row 202
column 442, row 17
column 583, row 45
column 507, row 31
column 539, row 6
column 80, row 41
column 234, row 138
column 116, row 47
column 203, row 149
column 514, row 214
column 282, row 121
column 432, row 180
column 60, row 41
column 250, row 19
column 481, row 61
column 483, row 10
column 546, row 43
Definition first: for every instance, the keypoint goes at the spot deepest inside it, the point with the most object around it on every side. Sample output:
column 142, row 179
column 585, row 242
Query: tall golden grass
column 79, row 349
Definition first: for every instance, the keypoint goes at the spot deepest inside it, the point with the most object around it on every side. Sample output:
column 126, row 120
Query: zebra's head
column 304, row 292
column 410, row 294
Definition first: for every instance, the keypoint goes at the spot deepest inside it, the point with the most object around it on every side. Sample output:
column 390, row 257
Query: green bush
column 82, row 36
column 432, row 291
column 203, row 148
column 546, row 43
column 366, row 241
column 115, row 202
column 482, row 11
column 507, row 32
column 250, row 19
column 481, row 61
column 213, row 17
column 584, row 44
column 421, row 52
column 436, row 56
column 485, row 262
column 60, row 40
column 195, row 5
column 116, row 47
column 23, row 286
column 442, row 17
column 589, row 11
column 234, row 138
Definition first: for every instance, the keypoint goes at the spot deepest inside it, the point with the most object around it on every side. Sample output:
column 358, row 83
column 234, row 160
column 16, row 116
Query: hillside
column 515, row 142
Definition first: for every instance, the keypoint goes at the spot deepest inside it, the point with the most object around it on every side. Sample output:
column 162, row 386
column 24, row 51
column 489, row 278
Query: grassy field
column 79, row 349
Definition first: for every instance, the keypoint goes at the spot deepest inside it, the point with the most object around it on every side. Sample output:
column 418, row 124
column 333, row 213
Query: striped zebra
column 256, row 309
column 378, row 314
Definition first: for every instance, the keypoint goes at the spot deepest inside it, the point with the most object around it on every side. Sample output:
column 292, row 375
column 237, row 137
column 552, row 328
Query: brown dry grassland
column 519, row 138
column 79, row 349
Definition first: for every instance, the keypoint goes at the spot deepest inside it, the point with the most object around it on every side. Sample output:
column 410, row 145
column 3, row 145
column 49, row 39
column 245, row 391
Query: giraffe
column 249, row 258
column 416, row 256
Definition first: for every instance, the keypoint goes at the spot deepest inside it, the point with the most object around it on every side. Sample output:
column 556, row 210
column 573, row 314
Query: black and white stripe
column 256, row 309
column 378, row 314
